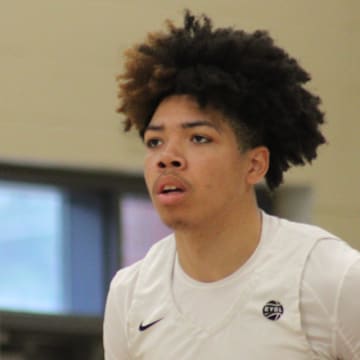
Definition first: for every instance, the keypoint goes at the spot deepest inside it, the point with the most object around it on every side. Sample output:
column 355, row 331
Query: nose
column 171, row 160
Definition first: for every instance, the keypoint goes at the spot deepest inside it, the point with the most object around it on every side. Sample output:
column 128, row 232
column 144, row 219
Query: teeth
column 169, row 187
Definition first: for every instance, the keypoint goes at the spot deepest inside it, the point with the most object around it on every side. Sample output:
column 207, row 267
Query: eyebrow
column 185, row 125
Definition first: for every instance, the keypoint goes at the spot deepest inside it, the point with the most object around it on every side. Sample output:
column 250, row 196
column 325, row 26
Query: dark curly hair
column 254, row 83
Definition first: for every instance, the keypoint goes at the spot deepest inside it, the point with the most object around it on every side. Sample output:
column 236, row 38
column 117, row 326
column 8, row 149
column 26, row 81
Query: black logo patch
column 273, row 310
column 143, row 327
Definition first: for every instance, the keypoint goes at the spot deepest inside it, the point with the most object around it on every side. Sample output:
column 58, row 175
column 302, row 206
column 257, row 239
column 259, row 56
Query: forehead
column 183, row 108
column 182, row 112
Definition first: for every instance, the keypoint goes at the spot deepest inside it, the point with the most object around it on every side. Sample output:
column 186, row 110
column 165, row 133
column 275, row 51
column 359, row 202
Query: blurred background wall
column 59, row 59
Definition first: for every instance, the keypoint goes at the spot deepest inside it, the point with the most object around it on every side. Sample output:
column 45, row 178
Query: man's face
column 194, row 170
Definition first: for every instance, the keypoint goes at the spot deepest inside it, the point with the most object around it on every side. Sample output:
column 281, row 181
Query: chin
column 175, row 223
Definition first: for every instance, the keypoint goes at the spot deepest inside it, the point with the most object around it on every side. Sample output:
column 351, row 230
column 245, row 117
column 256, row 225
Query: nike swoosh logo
column 143, row 327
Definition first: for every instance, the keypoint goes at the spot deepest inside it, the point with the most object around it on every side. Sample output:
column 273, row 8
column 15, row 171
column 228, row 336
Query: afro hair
column 253, row 82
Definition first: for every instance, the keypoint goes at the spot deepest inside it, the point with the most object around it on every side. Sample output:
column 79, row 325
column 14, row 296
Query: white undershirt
column 329, row 299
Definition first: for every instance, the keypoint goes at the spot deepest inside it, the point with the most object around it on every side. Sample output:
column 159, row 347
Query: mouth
column 168, row 189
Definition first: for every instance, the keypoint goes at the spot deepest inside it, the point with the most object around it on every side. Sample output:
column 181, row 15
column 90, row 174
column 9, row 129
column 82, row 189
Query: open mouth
column 171, row 189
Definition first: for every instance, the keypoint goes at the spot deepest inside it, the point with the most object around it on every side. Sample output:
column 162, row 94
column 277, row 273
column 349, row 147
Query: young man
column 219, row 110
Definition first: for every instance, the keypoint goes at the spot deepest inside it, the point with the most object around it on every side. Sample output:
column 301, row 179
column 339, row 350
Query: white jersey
column 262, row 322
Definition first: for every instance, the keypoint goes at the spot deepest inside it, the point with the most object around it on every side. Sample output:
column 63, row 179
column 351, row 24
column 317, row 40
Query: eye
column 200, row 139
column 153, row 143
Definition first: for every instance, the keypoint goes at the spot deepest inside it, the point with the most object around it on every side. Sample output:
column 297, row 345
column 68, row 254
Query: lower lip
column 171, row 198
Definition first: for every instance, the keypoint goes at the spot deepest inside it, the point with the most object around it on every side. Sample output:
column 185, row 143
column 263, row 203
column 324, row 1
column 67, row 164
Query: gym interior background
column 73, row 206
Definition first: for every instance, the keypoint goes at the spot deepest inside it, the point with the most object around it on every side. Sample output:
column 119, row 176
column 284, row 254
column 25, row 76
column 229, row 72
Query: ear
column 259, row 159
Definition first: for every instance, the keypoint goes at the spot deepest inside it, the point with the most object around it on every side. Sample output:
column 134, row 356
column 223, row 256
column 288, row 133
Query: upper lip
column 169, row 180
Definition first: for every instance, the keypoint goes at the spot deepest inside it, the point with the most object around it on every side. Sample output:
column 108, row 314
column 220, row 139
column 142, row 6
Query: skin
column 215, row 217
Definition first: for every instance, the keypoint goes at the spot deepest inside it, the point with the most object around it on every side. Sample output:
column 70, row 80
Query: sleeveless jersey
column 263, row 323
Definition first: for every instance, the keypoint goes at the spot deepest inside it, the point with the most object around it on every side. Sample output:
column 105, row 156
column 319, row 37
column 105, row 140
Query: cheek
column 215, row 176
column 148, row 172
column 227, row 174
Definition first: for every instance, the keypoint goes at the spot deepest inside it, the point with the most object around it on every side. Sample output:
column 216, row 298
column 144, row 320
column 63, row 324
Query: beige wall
column 57, row 90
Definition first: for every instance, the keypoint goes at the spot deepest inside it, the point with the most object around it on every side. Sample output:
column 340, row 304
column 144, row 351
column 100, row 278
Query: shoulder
column 292, row 238
column 126, row 279
column 292, row 228
column 330, row 316
column 121, row 294
column 328, row 260
column 328, row 267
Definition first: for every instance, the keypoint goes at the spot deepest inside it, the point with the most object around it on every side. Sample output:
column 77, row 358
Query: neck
column 213, row 251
